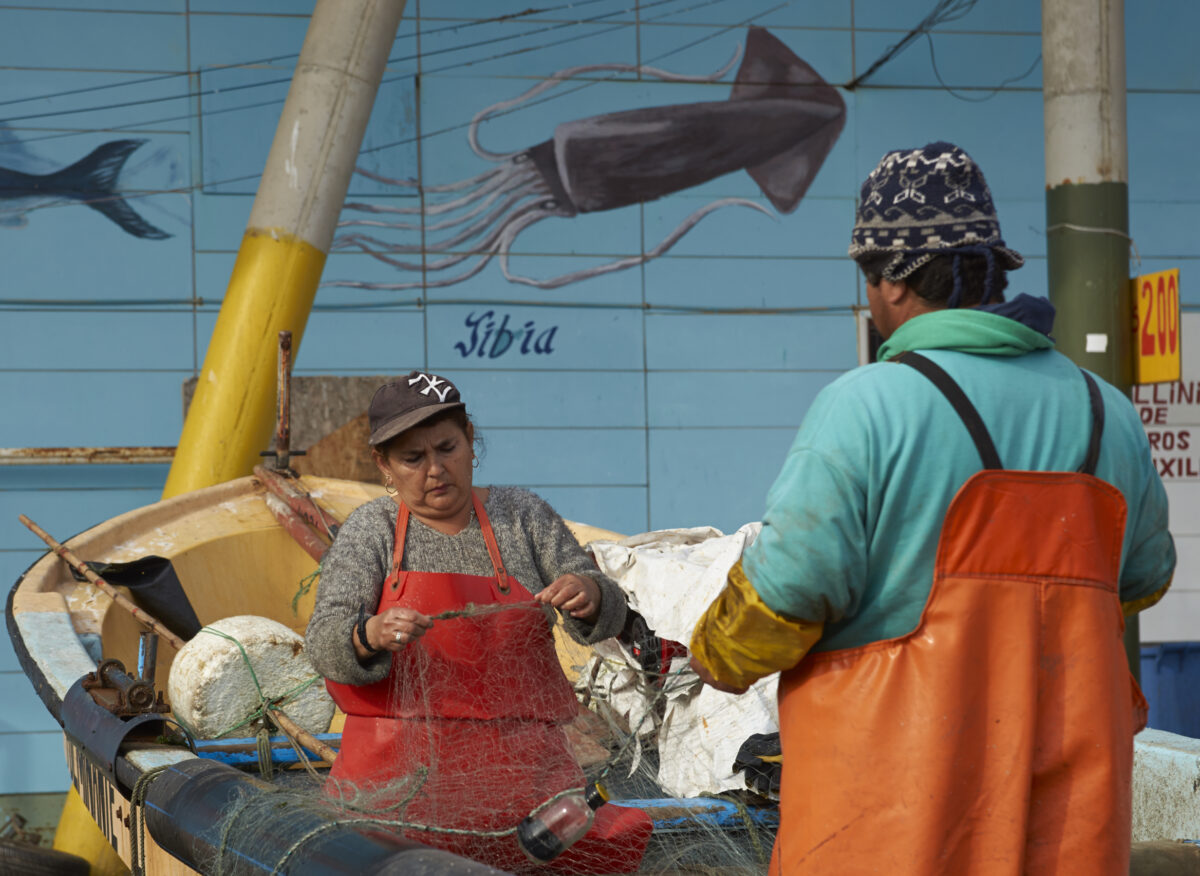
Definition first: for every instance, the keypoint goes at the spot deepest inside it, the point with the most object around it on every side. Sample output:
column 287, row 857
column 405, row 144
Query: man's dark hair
column 934, row 280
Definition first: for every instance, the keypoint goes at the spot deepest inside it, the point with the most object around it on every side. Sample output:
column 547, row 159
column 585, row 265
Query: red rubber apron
column 997, row 737
column 469, row 723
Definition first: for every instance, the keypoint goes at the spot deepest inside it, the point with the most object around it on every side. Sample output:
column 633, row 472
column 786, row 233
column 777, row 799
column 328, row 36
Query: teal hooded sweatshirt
column 852, row 522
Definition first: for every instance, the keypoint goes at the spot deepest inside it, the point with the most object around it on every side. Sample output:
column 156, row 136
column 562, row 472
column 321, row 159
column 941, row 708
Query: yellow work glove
column 739, row 639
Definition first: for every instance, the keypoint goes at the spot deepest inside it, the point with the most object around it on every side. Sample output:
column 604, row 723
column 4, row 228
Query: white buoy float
column 220, row 678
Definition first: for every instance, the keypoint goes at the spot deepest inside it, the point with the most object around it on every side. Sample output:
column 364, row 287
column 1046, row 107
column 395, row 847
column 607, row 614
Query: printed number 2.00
column 1161, row 320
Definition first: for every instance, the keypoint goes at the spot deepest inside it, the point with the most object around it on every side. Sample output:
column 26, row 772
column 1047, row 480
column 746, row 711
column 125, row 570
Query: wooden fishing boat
column 164, row 802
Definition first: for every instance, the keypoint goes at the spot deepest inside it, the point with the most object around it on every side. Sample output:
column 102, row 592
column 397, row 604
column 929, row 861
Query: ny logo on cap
column 432, row 382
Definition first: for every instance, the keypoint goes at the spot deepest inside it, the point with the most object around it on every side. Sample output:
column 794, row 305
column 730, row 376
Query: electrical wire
column 396, row 60
column 943, row 11
column 450, row 129
column 291, row 56
column 279, row 101
column 565, row 92
column 979, row 99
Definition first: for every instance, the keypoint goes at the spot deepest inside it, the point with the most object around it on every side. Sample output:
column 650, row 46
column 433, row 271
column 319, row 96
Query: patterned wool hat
column 919, row 203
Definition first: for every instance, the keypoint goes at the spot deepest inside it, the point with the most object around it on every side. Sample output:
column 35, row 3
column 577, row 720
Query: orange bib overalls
column 996, row 737
column 469, row 722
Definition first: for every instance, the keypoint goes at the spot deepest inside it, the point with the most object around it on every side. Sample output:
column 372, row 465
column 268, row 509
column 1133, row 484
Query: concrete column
column 287, row 238
column 1087, row 192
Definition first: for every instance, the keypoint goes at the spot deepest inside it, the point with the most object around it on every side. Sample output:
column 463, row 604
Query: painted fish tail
column 92, row 179
column 770, row 71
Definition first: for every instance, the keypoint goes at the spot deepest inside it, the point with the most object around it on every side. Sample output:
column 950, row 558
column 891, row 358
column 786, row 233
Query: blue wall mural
column 778, row 124
column 660, row 394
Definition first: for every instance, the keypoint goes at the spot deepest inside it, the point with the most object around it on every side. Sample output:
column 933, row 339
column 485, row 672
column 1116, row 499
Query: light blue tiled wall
column 656, row 406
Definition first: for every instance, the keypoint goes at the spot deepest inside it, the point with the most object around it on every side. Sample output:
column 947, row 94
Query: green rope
column 751, row 828
column 306, row 585
column 418, row 780
column 227, row 823
column 303, row 758
column 266, row 766
column 137, row 818
column 472, row 609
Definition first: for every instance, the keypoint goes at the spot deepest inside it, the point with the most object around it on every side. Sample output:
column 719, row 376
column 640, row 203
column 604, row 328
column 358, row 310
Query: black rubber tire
column 19, row 859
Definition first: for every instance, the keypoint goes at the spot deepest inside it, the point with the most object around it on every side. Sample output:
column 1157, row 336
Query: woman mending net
column 433, row 626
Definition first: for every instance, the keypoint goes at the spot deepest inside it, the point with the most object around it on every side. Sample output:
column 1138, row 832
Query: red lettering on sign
column 1172, row 295
column 1147, row 294
column 1168, row 441
column 1160, row 324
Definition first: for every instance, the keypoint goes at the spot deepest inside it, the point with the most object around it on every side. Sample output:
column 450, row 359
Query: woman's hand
column 578, row 595
column 392, row 629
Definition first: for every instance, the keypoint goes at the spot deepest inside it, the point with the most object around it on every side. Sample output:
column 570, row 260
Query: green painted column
column 1087, row 195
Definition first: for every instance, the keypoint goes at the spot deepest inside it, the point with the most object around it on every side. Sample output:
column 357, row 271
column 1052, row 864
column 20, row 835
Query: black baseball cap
column 405, row 403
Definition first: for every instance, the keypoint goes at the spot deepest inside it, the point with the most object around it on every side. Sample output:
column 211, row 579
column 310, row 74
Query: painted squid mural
column 779, row 123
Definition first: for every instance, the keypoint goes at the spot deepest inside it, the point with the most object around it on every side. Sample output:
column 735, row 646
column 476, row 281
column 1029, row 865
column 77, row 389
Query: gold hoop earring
column 388, row 488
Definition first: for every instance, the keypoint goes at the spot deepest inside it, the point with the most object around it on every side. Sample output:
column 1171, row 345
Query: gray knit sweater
column 535, row 545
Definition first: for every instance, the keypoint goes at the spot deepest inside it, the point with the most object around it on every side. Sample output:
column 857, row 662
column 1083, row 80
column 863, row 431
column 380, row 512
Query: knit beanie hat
column 920, row 203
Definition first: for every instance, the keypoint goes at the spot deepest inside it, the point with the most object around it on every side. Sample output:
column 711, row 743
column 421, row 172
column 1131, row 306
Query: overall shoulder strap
column 1097, row 403
column 962, row 405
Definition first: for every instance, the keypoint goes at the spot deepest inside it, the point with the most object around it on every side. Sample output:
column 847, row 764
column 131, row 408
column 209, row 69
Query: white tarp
column 670, row 578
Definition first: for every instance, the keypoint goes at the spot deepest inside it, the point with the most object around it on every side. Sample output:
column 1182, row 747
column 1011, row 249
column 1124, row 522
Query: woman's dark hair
column 934, row 281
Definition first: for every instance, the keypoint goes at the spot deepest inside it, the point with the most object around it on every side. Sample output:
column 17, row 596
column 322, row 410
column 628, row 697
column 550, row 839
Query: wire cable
column 290, row 56
column 943, row 11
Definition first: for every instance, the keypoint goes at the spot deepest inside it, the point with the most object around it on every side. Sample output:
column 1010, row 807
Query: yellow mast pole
column 287, row 239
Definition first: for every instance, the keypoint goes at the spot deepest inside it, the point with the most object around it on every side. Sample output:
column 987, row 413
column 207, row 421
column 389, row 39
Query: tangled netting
column 500, row 733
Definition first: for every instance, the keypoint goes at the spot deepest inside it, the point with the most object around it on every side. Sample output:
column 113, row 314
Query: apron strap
column 974, row 423
column 401, row 535
column 1097, row 403
column 962, row 405
column 489, row 539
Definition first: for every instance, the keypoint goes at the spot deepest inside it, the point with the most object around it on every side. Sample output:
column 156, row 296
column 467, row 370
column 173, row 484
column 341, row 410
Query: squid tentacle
column 621, row 264
column 517, row 181
column 415, row 184
column 472, row 231
column 569, row 72
column 488, row 248
column 508, row 177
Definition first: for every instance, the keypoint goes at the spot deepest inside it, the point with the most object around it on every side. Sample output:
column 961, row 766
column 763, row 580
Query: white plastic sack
column 670, row 577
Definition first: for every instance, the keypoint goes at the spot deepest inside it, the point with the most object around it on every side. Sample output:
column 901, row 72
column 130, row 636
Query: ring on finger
column 399, row 637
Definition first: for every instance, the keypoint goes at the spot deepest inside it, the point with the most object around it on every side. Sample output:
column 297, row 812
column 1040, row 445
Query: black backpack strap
column 1097, row 403
column 962, row 406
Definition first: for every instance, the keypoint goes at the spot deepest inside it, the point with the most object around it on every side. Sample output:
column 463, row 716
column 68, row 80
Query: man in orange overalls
column 944, row 567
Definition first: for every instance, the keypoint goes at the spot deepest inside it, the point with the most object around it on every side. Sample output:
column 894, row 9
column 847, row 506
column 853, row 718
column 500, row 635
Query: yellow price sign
column 1157, row 343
